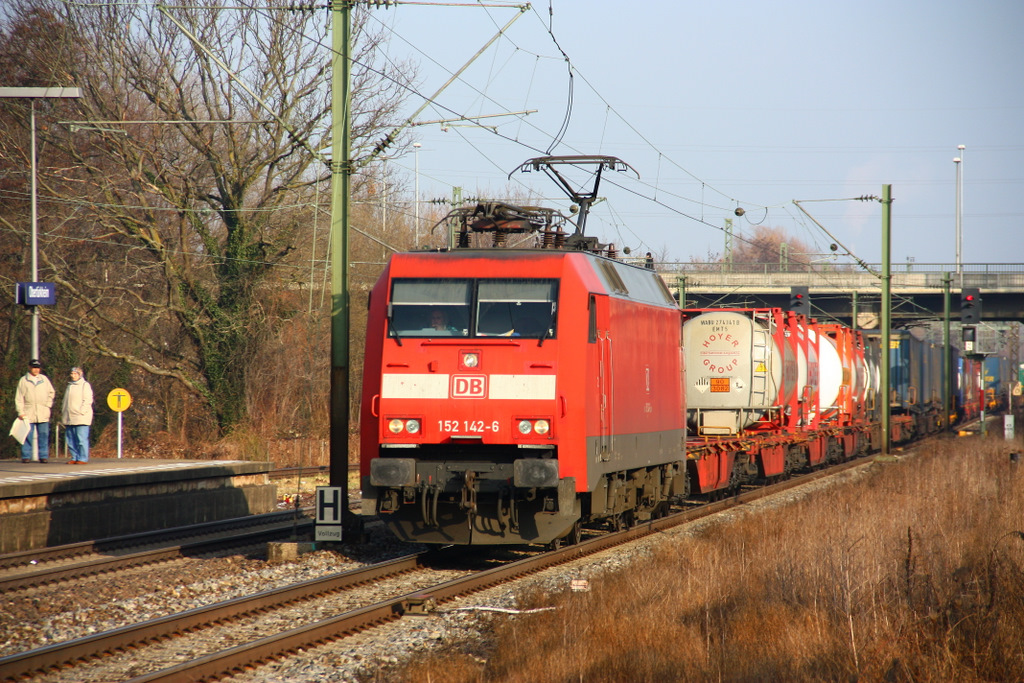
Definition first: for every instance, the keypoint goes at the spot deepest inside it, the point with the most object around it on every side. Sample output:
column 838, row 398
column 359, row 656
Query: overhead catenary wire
column 556, row 138
column 655, row 187
column 572, row 70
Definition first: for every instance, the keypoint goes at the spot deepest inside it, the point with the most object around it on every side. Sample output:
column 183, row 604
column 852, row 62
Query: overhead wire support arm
column 472, row 119
column 390, row 138
column 862, row 198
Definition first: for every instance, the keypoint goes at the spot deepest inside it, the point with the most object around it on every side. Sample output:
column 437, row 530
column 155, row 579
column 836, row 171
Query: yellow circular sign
column 119, row 400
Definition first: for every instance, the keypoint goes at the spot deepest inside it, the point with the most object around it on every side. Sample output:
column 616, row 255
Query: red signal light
column 970, row 306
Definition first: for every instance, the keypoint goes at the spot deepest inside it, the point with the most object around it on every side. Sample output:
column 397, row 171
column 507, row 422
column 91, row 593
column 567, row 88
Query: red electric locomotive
column 511, row 395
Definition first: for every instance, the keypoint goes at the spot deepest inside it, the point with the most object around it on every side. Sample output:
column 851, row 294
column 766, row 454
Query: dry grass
column 911, row 573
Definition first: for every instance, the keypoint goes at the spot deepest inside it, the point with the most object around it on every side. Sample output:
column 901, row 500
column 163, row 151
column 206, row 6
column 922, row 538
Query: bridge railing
column 842, row 276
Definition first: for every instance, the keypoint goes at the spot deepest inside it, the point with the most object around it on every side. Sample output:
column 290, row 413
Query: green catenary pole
column 886, row 316
column 340, row 177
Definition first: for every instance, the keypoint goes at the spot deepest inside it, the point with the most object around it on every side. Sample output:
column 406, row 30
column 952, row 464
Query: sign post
column 328, row 513
column 119, row 400
column 32, row 94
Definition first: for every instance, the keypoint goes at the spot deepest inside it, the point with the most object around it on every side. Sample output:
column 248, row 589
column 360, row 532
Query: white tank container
column 830, row 374
column 807, row 372
column 734, row 371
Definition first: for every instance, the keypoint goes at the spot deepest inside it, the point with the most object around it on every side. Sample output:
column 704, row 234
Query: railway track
column 246, row 651
column 293, row 472
column 76, row 652
column 61, row 563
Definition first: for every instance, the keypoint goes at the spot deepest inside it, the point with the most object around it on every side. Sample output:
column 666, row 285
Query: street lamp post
column 32, row 94
column 959, row 211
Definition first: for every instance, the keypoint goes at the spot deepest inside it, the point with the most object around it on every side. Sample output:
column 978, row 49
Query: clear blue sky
column 742, row 103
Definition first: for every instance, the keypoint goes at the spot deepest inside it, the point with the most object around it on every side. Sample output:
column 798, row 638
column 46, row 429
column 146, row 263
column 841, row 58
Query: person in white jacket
column 33, row 400
column 76, row 416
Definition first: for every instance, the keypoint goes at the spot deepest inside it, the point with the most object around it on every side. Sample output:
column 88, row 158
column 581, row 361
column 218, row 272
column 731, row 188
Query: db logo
column 465, row 386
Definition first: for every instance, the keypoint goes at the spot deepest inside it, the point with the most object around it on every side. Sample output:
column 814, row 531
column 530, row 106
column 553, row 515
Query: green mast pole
column 886, row 316
column 341, row 170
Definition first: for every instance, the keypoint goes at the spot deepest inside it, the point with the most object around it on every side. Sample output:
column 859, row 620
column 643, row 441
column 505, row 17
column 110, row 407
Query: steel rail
column 106, row 545
column 26, row 664
column 245, row 656
column 304, row 471
column 108, row 563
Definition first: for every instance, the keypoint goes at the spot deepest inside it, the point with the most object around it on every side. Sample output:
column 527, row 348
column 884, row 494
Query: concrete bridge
column 848, row 292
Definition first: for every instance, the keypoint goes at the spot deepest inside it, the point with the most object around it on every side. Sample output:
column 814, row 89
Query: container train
column 511, row 396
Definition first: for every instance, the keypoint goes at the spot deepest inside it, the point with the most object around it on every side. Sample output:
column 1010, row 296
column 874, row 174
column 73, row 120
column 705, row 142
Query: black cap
column 34, row 363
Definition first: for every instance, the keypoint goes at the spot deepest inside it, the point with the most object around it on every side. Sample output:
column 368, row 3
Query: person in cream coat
column 76, row 416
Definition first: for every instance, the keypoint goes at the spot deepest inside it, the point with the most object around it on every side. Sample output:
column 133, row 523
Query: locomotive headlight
column 534, row 427
column 398, row 425
column 470, row 359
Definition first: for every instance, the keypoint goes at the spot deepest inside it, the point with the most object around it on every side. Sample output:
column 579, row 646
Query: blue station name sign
column 36, row 294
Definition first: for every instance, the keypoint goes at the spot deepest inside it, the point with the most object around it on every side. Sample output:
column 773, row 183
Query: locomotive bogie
column 639, row 494
column 463, row 509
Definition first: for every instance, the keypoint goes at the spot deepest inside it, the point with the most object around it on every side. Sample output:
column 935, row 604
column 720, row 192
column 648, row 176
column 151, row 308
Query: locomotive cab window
column 430, row 308
column 517, row 308
column 443, row 307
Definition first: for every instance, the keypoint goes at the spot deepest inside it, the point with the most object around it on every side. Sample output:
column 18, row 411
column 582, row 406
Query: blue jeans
column 43, row 429
column 78, row 441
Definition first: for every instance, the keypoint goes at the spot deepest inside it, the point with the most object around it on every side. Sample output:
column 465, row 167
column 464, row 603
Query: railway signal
column 800, row 301
column 970, row 306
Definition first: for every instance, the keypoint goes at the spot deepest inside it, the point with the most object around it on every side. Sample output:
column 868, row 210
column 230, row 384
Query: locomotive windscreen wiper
column 391, row 327
column 549, row 326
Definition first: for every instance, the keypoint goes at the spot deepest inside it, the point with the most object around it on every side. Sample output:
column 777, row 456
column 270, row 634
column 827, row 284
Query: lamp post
column 32, row 94
column 416, row 229
column 959, row 210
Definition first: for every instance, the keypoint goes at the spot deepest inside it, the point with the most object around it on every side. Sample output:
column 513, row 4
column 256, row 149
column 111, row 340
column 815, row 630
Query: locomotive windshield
column 444, row 307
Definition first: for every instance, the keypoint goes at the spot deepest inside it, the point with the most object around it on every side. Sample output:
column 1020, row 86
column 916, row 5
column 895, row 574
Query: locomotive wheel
column 623, row 520
column 555, row 544
column 576, row 535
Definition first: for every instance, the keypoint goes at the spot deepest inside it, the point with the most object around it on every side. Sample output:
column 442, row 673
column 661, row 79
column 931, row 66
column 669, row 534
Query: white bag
column 20, row 429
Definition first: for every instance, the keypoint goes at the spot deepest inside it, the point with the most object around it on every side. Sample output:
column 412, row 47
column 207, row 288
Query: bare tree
column 193, row 187
column 763, row 245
